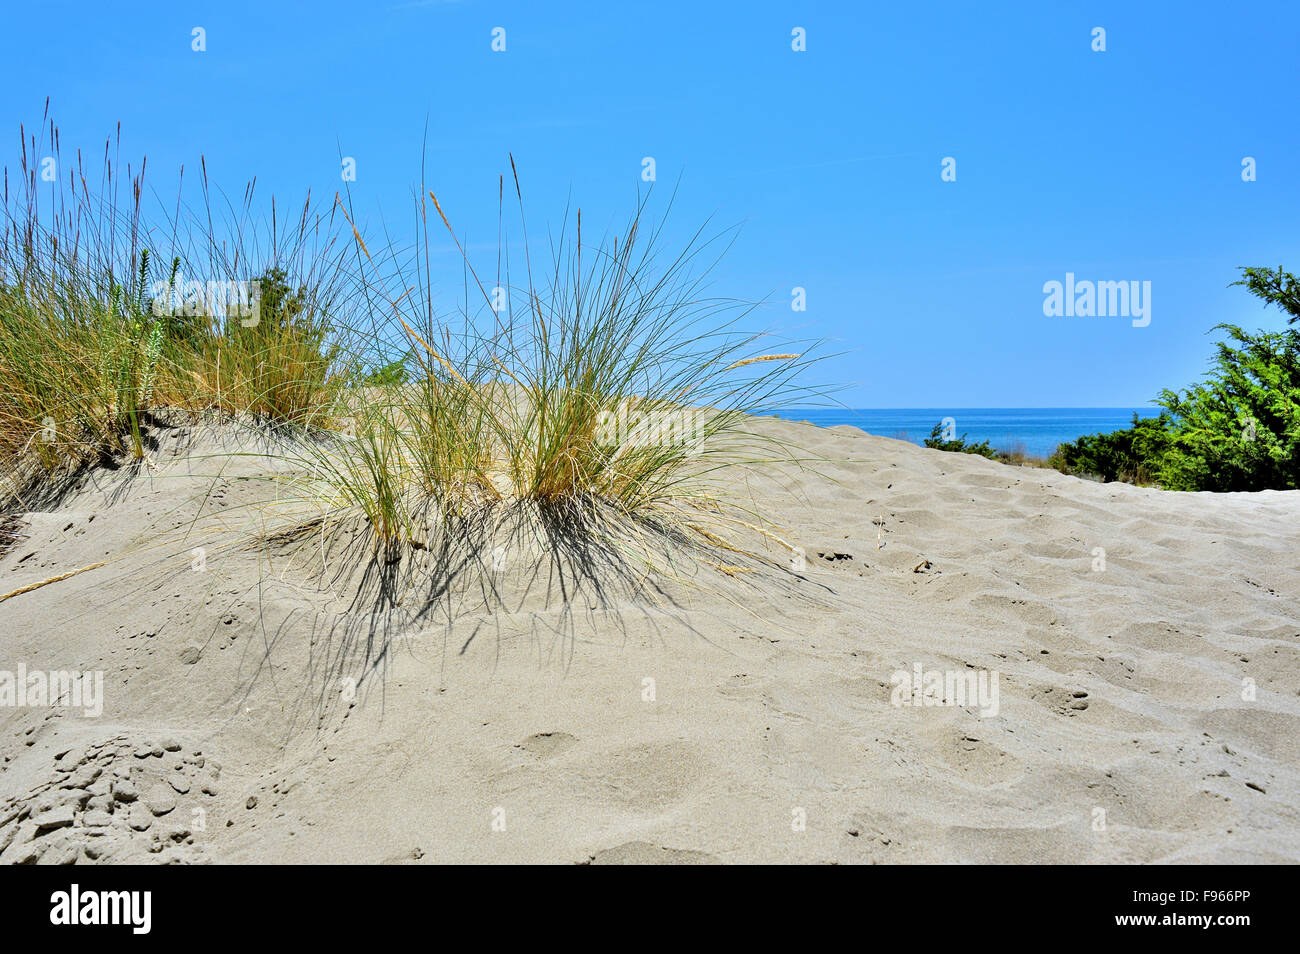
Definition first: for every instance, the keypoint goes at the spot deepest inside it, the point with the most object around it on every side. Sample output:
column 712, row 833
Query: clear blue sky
column 1122, row 165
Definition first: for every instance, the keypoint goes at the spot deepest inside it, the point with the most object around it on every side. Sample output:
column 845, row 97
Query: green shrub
column 1133, row 455
column 1274, row 287
column 1239, row 429
column 960, row 445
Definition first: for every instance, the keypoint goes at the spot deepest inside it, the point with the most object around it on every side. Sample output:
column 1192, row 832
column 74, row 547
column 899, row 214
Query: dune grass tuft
column 615, row 388
column 108, row 316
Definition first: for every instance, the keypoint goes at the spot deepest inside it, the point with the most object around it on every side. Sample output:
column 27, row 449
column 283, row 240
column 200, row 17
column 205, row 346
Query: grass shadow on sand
column 505, row 571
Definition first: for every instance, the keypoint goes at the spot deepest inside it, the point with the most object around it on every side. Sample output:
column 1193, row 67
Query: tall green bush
column 1238, row 429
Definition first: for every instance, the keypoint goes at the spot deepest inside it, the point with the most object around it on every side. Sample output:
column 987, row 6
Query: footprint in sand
column 547, row 745
column 646, row 777
column 976, row 760
column 1066, row 702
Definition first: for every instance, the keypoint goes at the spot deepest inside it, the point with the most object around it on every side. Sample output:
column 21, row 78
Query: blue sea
column 1035, row 430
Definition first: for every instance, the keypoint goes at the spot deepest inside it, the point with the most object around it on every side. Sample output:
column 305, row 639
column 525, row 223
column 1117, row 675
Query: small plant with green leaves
column 131, row 348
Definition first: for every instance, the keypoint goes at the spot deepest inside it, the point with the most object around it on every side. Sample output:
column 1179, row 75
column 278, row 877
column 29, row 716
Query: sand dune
column 749, row 720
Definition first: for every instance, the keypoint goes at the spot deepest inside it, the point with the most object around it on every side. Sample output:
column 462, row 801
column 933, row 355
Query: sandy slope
column 529, row 734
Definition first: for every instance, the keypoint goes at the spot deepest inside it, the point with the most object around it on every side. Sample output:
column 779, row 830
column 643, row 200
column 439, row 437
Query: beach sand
column 714, row 718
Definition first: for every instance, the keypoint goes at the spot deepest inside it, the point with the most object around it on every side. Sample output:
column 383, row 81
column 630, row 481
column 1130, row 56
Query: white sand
column 1121, row 733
